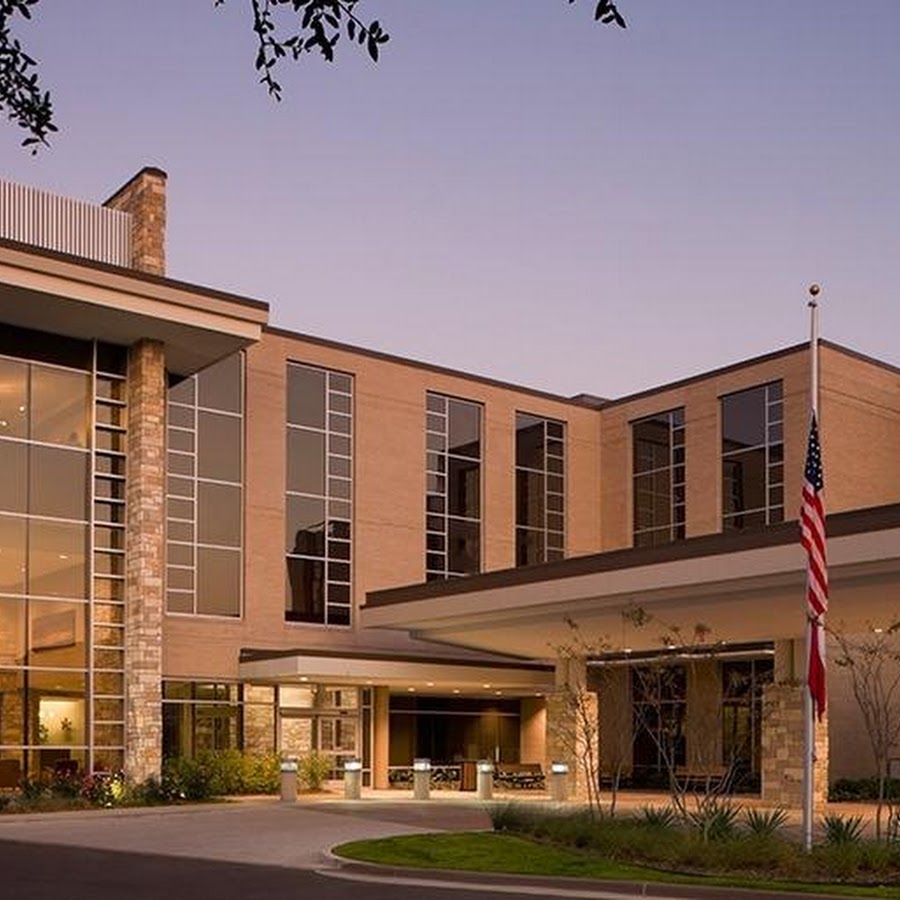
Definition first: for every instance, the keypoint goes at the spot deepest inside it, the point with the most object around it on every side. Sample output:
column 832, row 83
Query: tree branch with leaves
column 284, row 29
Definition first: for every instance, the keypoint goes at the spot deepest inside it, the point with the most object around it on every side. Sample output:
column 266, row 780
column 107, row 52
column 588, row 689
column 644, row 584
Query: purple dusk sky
column 512, row 190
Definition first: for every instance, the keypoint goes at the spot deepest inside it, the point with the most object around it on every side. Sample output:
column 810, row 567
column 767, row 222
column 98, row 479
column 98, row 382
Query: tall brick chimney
column 144, row 197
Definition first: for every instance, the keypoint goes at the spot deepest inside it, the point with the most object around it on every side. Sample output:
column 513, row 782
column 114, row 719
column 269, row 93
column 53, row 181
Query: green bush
column 188, row 779
column 850, row 789
column 313, row 770
column 216, row 773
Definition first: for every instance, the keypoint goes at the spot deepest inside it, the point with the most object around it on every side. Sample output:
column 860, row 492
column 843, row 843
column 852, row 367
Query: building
column 215, row 533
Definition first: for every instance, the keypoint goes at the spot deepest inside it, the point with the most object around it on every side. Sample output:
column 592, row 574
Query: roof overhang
column 65, row 295
column 743, row 594
column 406, row 675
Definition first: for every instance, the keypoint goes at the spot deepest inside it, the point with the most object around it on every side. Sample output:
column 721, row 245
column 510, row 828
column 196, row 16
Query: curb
column 587, row 886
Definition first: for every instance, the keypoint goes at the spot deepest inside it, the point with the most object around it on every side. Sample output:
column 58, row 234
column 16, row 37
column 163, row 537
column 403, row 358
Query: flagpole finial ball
column 814, row 290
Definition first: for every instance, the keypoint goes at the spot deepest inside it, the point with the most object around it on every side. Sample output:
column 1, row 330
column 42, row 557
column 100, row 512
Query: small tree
column 655, row 679
column 872, row 661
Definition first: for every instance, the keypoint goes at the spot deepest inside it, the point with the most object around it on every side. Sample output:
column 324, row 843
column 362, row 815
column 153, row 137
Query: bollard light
column 353, row 765
column 485, row 766
column 559, row 768
column 421, row 765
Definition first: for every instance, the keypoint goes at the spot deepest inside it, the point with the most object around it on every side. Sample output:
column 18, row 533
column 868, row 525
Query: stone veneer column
column 144, row 198
column 144, row 559
column 572, row 723
column 782, row 735
column 381, row 703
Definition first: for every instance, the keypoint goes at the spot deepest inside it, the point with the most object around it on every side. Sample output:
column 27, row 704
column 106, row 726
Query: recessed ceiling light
column 485, row 686
column 455, row 690
column 429, row 684
column 304, row 678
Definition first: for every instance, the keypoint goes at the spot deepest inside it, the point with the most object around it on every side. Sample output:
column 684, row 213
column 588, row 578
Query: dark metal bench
column 520, row 775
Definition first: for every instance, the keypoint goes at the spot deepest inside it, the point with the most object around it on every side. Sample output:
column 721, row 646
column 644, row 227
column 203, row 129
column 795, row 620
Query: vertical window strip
column 106, row 646
column 319, row 554
column 185, row 485
column 452, row 523
column 658, row 478
column 540, row 480
column 740, row 478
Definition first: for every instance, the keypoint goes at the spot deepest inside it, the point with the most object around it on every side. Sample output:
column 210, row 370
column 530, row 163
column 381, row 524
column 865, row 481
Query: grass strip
column 508, row 854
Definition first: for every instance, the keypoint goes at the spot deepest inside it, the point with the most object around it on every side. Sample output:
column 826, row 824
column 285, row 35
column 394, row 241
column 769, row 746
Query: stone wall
column 144, row 198
column 573, row 725
column 144, row 560
column 782, row 749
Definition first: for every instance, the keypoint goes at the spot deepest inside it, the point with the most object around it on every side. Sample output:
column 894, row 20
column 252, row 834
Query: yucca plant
column 658, row 816
column 842, row 829
column 765, row 822
column 715, row 821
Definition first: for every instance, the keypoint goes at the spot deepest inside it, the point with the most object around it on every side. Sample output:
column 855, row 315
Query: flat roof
column 43, row 290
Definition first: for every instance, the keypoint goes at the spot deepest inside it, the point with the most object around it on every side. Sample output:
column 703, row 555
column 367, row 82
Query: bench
column 520, row 775
column 711, row 777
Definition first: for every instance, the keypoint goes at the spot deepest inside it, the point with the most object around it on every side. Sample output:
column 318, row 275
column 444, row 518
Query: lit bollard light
column 559, row 782
column 421, row 779
column 289, row 780
column 352, row 779
column 485, row 779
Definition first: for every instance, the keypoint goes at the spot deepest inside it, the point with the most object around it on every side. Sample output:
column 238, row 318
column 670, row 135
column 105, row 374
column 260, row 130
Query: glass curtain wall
column 62, row 427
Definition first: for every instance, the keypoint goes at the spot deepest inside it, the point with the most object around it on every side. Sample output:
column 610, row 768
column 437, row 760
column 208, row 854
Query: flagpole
column 809, row 725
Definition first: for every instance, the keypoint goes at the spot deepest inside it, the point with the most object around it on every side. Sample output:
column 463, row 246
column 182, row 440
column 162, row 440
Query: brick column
column 144, row 198
column 144, row 559
column 572, row 723
column 782, row 735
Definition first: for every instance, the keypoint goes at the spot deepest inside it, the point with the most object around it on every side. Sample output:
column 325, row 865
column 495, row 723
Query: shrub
column 313, row 770
column 187, row 779
column 765, row 823
column 215, row 773
column 104, row 789
column 850, row 789
column 659, row 816
column 714, row 821
column 842, row 829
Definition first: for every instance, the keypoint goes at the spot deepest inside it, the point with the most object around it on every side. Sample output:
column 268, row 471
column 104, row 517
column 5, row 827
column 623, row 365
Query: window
column 318, row 506
column 45, row 614
column 203, row 716
column 659, row 704
column 452, row 486
column 743, row 682
column 204, row 492
column 753, row 457
column 658, row 465
column 540, row 489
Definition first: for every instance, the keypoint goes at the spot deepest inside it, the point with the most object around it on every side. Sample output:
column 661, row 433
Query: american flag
column 812, row 524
